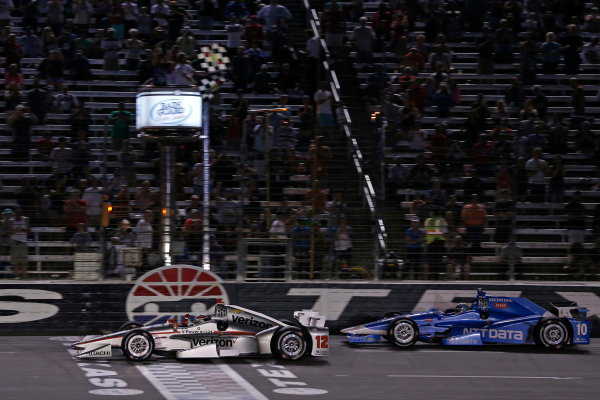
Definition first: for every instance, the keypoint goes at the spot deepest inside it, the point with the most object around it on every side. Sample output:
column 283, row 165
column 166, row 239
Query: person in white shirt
column 132, row 11
column 591, row 51
column 82, row 11
column 94, row 199
column 271, row 13
column 134, row 47
column 143, row 231
column 5, row 8
column 184, row 72
column 323, row 99
column 234, row 36
column 277, row 230
column 159, row 13
column 536, row 167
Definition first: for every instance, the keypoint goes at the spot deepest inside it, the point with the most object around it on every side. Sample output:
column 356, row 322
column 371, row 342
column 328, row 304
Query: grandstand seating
column 538, row 226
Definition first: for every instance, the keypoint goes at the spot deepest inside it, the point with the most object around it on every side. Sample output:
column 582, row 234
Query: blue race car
column 490, row 319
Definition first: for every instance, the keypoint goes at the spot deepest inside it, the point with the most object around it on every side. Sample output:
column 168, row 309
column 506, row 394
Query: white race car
column 232, row 331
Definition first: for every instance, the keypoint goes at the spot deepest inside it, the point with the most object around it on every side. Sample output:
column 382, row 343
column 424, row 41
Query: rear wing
column 310, row 318
column 569, row 309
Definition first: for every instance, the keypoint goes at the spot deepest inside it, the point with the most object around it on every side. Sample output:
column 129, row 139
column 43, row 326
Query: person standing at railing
column 271, row 13
column 536, row 168
column 74, row 211
column 300, row 235
column 18, row 228
column 415, row 244
column 474, row 217
column 120, row 120
column 511, row 255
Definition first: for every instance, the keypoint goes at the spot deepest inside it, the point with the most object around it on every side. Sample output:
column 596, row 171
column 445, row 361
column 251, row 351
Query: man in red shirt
column 482, row 155
column 439, row 144
column 334, row 23
column 74, row 211
column 474, row 217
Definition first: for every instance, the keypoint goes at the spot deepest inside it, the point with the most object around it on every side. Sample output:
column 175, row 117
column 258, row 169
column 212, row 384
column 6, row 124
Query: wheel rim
column 404, row 332
column 138, row 346
column 292, row 345
column 554, row 334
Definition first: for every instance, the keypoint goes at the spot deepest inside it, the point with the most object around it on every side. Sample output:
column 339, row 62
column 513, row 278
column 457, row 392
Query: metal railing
column 365, row 182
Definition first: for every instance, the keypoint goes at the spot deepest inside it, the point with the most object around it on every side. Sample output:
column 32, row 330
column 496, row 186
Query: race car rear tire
column 138, row 345
column 130, row 325
column 403, row 332
column 289, row 343
column 551, row 333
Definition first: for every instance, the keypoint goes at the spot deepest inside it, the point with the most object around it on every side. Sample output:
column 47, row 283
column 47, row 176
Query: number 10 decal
column 582, row 329
column 322, row 342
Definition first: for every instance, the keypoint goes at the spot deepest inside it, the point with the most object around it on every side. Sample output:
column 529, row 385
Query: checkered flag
column 215, row 62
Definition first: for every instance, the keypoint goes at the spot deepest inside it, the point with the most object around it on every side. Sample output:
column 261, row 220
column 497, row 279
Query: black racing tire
column 403, row 332
column 386, row 316
column 138, row 345
column 551, row 333
column 296, row 323
column 292, row 322
column 289, row 343
column 130, row 325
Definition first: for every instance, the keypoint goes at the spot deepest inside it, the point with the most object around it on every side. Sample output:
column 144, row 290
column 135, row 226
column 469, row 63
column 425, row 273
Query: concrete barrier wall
column 82, row 307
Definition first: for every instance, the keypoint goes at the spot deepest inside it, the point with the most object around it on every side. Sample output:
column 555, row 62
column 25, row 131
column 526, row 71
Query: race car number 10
column 582, row 329
column 322, row 342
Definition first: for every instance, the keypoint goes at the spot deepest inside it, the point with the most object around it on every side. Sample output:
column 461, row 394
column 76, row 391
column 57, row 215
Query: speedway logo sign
column 171, row 292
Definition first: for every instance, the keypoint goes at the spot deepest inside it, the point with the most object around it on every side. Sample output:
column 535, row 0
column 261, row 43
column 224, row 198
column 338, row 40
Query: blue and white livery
column 490, row 319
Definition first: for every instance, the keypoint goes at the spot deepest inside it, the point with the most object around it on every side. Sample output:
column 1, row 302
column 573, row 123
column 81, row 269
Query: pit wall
column 85, row 307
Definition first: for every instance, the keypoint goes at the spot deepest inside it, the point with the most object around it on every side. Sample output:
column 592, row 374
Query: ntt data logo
column 173, row 291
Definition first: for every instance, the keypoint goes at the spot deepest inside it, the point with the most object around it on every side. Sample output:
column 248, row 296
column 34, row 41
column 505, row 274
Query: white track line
column 185, row 381
column 487, row 377
column 240, row 380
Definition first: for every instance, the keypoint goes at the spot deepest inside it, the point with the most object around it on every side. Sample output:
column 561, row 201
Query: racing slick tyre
column 289, row 343
column 402, row 332
column 138, row 345
column 551, row 333
column 130, row 325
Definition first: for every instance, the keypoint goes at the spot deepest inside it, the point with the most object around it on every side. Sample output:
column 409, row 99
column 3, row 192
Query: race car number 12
column 322, row 342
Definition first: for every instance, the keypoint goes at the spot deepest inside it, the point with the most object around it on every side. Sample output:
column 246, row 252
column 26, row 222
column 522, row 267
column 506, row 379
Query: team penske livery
column 232, row 331
column 490, row 319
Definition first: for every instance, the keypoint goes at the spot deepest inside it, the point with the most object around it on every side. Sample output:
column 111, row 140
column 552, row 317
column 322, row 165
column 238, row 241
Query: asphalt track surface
column 41, row 367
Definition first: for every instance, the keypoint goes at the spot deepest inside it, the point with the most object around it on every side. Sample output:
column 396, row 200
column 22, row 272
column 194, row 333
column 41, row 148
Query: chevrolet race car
column 232, row 331
column 490, row 319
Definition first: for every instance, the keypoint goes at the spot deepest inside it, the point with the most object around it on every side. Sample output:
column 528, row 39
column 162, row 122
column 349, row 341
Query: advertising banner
column 173, row 291
column 168, row 109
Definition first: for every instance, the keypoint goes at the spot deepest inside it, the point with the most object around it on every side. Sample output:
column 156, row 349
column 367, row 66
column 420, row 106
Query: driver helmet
column 461, row 308
column 201, row 318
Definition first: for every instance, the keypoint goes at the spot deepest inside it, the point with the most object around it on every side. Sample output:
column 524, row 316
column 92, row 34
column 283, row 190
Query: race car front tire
column 289, row 343
column 138, row 345
column 403, row 332
column 551, row 333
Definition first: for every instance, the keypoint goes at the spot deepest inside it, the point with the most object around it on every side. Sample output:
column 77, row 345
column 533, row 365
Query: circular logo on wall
column 173, row 291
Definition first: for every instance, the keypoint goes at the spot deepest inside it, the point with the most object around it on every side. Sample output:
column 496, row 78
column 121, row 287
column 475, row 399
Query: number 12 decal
column 322, row 342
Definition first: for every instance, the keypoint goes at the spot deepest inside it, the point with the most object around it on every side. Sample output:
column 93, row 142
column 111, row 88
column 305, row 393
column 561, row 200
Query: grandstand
column 283, row 214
